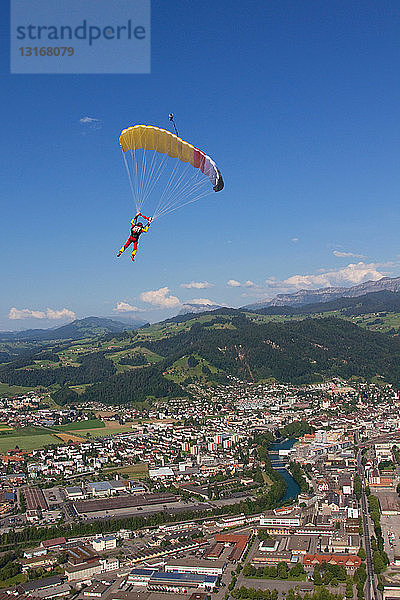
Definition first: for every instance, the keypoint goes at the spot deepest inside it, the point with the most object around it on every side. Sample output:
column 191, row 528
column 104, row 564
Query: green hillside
column 161, row 360
column 296, row 351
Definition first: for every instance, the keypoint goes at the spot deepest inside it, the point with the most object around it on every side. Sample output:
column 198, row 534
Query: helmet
column 140, row 225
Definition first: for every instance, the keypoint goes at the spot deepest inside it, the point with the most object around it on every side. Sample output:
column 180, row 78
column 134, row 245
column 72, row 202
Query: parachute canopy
column 159, row 166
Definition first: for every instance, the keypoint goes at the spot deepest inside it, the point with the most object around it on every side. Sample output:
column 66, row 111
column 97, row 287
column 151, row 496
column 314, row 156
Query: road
column 371, row 590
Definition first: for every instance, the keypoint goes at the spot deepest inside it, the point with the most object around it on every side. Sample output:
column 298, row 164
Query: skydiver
column 136, row 230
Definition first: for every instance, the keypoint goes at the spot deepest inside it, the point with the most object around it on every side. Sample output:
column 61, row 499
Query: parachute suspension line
column 172, row 185
column 170, row 210
column 157, row 174
column 199, row 193
column 176, row 184
column 186, row 187
column 142, row 174
column 195, row 185
column 134, row 196
column 138, row 165
column 160, row 202
column 135, row 164
column 172, row 195
column 153, row 175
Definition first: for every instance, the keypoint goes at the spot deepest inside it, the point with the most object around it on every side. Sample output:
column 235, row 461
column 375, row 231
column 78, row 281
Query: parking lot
column 391, row 535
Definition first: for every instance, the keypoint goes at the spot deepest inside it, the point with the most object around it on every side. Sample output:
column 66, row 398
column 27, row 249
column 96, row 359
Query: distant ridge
column 197, row 308
column 374, row 302
column 301, row 297
column 76, row 330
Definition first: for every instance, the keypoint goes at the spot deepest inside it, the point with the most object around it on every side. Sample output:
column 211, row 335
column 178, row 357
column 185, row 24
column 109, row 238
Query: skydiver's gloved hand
column 119, row 253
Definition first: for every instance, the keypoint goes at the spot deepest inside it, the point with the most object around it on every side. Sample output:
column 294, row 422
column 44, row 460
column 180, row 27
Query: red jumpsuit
column 136, row 231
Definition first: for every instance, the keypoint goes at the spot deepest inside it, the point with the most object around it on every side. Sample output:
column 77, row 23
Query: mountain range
column 302, row 297
column 373, row 302
column 76, row 330
column 197, row 308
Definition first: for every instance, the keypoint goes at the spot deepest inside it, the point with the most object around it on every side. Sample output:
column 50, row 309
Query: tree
column 378, row 561
column 317, row 576
column 297, row 570
column 349, row 590
column 361, row 553
column 283, row 570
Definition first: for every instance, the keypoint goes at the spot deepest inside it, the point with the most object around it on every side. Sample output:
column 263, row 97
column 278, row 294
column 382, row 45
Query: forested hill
column 295, row 351
column 159, row 361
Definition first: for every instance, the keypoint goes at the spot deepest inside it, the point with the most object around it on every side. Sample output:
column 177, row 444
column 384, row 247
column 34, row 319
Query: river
column 278, row 462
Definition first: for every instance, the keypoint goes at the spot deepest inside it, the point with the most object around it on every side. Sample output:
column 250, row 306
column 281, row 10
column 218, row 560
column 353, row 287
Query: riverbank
column 278, row 462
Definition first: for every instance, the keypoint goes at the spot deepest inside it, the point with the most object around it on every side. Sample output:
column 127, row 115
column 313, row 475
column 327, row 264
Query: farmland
column 27, row 442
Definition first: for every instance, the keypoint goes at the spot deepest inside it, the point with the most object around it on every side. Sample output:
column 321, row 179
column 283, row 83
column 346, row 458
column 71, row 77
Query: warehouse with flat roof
column 203, row 567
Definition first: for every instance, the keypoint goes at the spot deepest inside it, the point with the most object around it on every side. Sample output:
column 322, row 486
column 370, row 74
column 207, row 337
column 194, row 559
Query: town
column 264, row 489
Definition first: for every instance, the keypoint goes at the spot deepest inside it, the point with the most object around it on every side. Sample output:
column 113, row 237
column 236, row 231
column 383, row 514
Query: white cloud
column 25, row 313
column 161, row 298
column 347, row 254
column 205, row 301
column 125, row 307
column 198, row 285
column 49, row 313
column 294, row 240
column 64, row 313
column 353, row 274
column 235, row 283
column 91, row 122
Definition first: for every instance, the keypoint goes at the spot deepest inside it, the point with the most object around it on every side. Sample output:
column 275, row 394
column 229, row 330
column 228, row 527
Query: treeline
column 9, row 568
column 327, row 574
column 322, row 593
column 134, row 361
column 133, row 386
column 280, row 571
column 33, row 535
column 65, row 396
column 296, row 351
column 296, row 429
column 297, row 474
column 379, row 557
column 94, row 367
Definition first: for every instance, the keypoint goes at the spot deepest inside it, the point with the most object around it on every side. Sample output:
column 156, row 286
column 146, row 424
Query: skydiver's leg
column 124, row 247
column 128, row 242
column 135, row 245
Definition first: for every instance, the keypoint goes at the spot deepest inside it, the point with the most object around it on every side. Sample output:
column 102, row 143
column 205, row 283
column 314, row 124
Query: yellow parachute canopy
column 145, row 171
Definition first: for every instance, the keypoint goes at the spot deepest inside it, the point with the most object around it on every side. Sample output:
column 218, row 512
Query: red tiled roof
column 347, row 560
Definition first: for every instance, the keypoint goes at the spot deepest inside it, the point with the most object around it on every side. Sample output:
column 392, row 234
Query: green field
column 79, row 389
column 77, row 425
column 138, row 471
column 377, row 322
column 23, row 432
column 20, row 578
column 27, row 442
column 12, row 390
column 103, row 431
column 180, row 370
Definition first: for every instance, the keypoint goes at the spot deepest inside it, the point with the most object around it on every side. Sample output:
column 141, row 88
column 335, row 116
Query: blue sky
column 298, row 103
